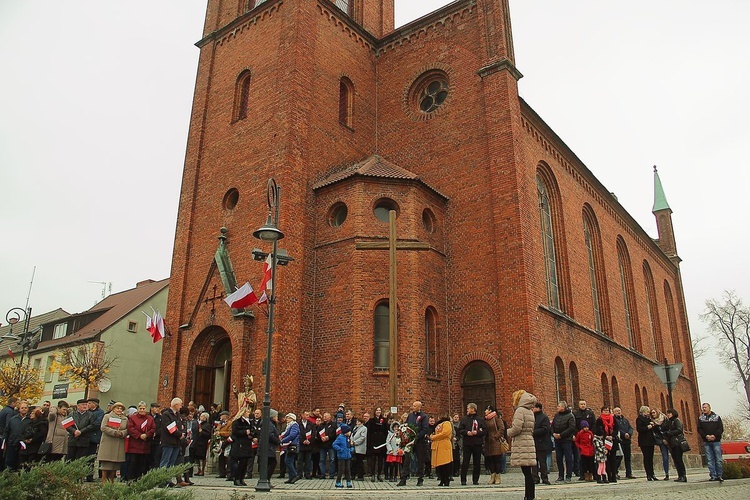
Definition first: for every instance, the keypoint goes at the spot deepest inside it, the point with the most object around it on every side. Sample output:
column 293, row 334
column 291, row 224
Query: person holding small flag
column 243, row 433
column 57, row 435
column 111, row 453
column 12, row 436
column 472, row 429
column 141, row 430
column 79, row 430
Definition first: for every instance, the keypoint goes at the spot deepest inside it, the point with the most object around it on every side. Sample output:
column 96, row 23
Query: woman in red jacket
column 141, row 429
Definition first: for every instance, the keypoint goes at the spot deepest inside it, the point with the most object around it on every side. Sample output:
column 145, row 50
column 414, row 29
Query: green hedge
column 63, row 480
column 736, row 469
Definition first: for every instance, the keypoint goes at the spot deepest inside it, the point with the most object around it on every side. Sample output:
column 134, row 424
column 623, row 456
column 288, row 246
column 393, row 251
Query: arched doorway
column 478, row 385
column 213, row 374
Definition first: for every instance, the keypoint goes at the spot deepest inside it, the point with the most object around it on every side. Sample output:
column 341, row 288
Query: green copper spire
column 660, row 201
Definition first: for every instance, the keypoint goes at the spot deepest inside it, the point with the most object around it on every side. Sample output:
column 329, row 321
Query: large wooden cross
column 392, row 245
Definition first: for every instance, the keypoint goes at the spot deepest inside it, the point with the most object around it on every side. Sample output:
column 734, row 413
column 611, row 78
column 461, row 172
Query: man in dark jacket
column 326, row 435
column 583, row 412
column 710, row 429
column 542, row 442
column 308, row 430
column 625, row 433
column 96, row 435
column 156, row 441
column 564, row 431
column 5, row 414
column 80, row 433
column 172, row 430
column 14, row 430
column 472, row 429
column 418, row 419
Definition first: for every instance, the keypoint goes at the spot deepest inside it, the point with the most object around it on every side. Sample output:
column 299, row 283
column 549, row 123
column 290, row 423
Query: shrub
column 63, row 480
column 744, row 464
column 732, row 470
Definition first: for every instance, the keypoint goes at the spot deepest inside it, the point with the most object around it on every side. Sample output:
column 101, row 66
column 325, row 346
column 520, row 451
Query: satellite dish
column 104, row 385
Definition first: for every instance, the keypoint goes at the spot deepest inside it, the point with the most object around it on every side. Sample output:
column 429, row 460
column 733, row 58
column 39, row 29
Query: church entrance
column 478, row 386
column 212, row 374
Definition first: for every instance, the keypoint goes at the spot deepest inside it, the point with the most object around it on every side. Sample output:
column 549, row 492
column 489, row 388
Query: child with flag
column 112, row 447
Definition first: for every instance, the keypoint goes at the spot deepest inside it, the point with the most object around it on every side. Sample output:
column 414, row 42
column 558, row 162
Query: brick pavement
column 697, row 488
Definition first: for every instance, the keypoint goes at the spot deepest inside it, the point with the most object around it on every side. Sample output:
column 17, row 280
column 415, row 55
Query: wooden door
column 203, row 386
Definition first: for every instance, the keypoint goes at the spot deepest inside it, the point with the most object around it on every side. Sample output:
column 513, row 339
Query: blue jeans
column 169, row 455
column 713, row 455
column 564, row 449
column 664, row 457
column 290, row 459
column 327, row 456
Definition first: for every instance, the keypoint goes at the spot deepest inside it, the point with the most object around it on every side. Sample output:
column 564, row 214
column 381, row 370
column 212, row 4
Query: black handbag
column 293, row 448
column 45, row 448
column 684, row 445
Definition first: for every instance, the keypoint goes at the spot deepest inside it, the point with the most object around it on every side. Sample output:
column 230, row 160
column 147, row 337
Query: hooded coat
column 522, row 432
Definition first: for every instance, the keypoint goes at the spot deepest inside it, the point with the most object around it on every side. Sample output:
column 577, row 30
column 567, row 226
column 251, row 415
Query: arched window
column 644, row 391
column 575, row 388
column 346, row 102
column 560, row 391
column 653, row 311
column 345, row 6
column 663, row 402
column 597, row 276
column 242, row 96
column 606, row 399
column 381, row 336
column 683, row 414
column 431, row 342
column 688, row 418
column 628, row 295
column 553, row 242
column 673, row 329
column 615, row 392
column 638, row 400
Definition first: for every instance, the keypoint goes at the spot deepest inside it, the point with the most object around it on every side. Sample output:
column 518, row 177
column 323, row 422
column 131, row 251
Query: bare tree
column 734, row 429
column 729, row 321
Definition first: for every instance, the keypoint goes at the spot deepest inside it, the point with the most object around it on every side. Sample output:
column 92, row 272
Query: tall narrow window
column 345, row 6
column 575, row 388
column 548, row 242
column 431, row 342
column 638, row 400
column 673, row 329
column 381, row 336
column 644, row 391
column 597, row 276
column 560, row 380
column 663, row 402
column 242, row 96
column 628, row 296
column 346, row 101
column 653, row 312
column 615, row 392
column 606, row 399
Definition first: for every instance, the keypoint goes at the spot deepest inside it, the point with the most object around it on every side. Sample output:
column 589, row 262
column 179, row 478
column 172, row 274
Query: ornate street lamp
column 269, row 232
column 13, row 317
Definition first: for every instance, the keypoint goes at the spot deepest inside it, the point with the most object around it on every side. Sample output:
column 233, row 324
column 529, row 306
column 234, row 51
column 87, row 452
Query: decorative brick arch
column 469, row 357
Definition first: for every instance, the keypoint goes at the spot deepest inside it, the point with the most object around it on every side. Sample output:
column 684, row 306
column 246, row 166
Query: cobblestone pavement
column 697, row 488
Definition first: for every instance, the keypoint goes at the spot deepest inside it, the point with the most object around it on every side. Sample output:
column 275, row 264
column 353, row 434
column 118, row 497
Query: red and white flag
column 475, row 426
column 243, row 297
column 338, row 430
column 23, row 445
column 308, row 435
column 266, row 282
column 322, row 432
column 143, row 425
column 155, row 326
column 114, row 422
column 68, row 422
column 172, row 428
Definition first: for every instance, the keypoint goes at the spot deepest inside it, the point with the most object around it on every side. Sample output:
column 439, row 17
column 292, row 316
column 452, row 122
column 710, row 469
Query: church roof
column 374, row 166
column 660, row 199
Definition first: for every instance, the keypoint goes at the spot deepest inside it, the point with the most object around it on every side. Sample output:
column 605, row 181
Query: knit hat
column 345, row 428
column 584, row 424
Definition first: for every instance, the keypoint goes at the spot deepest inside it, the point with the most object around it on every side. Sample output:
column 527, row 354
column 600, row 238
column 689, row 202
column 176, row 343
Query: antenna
column 30, row 285
column 105, row 285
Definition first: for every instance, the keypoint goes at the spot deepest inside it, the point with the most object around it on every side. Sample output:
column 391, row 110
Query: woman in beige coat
column 523, row 450
column 112, row 447
column 57, row 435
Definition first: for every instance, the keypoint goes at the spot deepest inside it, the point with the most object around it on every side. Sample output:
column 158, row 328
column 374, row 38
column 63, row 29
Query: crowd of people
column 343, row 446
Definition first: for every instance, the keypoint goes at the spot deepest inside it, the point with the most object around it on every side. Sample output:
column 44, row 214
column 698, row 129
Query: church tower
column 663, row 215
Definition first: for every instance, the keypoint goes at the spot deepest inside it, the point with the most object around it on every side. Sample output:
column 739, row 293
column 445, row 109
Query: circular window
column 383, row 207
column 337, row 215
column 429, row 92
column 428, row 220
column 231, row 199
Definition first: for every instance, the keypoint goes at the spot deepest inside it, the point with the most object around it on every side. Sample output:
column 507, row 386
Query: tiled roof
column 115, row 307
column 374, row 166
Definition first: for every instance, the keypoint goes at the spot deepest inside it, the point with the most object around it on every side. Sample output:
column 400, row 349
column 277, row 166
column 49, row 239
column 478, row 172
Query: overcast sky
column 95, row 99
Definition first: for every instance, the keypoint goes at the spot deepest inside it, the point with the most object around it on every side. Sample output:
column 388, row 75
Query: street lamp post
column 13, row 317
column 268, row 232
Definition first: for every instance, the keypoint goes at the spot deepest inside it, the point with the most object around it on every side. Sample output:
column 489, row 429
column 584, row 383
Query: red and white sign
column 68, row 422
column 114, row 422
column 172, row 428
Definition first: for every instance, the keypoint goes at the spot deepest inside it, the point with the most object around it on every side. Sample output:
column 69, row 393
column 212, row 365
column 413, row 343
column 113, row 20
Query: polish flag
column 23, row 445
column 229, row 440
column 322, row 432
column 308, row 435
column 159, row 324
column 475, row 426
column 114, row 422
column 266, row 282
column 243, row 297
column 254, row 445
column 68, row 422
column 143, row 425
column 172, row 428
column 338, row 430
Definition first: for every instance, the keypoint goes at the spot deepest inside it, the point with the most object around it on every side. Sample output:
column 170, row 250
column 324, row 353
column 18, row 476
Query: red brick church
column 528, row 256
